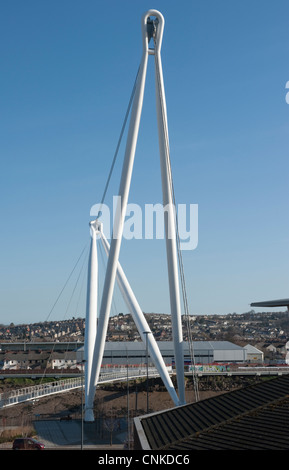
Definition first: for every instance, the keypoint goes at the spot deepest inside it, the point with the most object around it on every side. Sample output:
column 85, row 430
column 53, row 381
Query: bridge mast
column 152, row 29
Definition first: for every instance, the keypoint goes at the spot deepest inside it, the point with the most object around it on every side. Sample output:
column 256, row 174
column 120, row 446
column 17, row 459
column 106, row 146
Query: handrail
column 35, row 392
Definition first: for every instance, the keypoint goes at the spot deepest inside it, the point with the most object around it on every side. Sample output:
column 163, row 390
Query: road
column 56, row 434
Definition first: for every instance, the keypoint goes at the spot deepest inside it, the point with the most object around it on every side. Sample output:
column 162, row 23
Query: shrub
column 8, row 435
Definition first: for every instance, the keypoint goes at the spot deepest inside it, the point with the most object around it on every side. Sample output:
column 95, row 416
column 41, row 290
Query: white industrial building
column 254, row 355
column 205, row 352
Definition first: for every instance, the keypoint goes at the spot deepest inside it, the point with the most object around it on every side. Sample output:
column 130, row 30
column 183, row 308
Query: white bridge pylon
column 96, row 331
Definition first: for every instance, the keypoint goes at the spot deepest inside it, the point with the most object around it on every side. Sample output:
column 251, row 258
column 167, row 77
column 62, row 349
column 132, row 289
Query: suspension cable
column 75, row 285
column 119, row 141
column 106, row 186
column 59, row 295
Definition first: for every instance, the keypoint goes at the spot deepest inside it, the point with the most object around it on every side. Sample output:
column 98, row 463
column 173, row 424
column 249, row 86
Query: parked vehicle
column 27, row 443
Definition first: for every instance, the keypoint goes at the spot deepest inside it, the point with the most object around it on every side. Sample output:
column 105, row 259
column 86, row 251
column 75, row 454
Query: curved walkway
column 36, row 392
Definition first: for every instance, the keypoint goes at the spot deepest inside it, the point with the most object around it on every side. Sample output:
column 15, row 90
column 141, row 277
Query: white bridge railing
column 118, row 374
column 35, row 392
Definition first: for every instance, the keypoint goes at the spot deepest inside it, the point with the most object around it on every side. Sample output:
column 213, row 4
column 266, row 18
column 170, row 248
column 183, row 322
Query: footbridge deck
column 35, row 392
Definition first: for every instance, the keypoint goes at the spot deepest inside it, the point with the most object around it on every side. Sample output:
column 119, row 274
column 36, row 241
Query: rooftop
column 252, row 418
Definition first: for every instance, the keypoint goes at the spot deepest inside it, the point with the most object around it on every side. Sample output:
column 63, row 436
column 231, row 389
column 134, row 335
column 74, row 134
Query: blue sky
column 67, row 71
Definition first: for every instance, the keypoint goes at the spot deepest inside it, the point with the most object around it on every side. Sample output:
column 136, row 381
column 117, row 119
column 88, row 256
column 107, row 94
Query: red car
column 27, row 443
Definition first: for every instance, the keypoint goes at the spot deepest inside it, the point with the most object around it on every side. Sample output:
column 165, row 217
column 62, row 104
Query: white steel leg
column 109, row 281
column 170, row 220
column 90, row 323
column 142, row 325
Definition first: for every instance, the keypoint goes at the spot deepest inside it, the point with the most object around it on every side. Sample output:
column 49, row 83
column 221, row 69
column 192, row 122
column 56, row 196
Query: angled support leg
column 170, row 220
column 142, row 325
column 110, row 276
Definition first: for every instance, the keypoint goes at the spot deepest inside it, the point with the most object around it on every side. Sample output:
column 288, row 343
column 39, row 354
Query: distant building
column 254, row 355
column 25, row 361
column 120, row 353
column 205, row 352
column 287, row 352
column 64, row 360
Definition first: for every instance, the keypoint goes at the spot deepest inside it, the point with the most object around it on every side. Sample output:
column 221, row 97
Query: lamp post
column 127, row 396
column 83, row 362
column 147, row 362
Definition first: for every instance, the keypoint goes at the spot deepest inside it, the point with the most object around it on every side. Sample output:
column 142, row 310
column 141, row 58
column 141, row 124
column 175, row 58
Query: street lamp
column 147, row 333
column 127, row 396
column 83, row 363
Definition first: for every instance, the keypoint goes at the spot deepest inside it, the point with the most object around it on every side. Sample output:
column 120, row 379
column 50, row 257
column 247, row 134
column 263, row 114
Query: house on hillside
column 64, row 360
column 23, row 360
